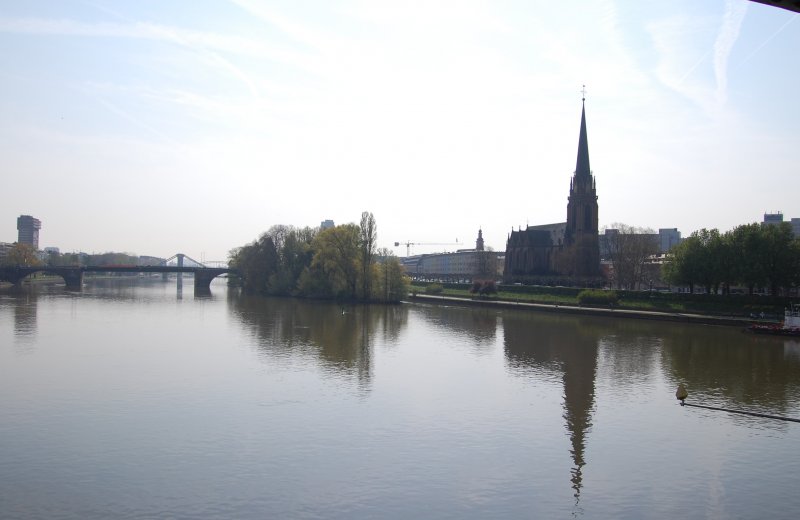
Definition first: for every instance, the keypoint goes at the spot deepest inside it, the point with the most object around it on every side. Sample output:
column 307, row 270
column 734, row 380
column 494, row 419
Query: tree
column 629, row 249
column 255, row 262
column 778, row 255
column 336, row 256
column 294, row 255
column 710, row 250
column 391, row 284
column 683, row 263
column 112, row 258
column 368, row 236
column 53, row 258
column 747, row 244
column 753, row 255
column 796, row 261
column 483, row 287
column 21, row 255
column 724, row 260
column 486, row 267
column 699, row 260
column 338, row 262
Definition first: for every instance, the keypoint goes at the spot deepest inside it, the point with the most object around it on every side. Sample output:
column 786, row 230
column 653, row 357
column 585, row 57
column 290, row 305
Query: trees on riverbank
column 20, row 254
column 341, row 262
column 750, row 255
column 629, row 248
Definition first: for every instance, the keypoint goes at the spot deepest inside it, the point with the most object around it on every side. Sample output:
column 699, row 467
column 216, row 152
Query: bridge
column 73, row 275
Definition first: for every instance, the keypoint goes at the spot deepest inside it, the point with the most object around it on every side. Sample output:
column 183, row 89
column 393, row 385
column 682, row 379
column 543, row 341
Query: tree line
column 21, row 255
column 26, row 255
column 341, row 262
column 751, row 256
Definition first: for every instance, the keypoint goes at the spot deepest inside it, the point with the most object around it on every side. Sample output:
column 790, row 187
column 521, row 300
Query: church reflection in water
column 562, row 347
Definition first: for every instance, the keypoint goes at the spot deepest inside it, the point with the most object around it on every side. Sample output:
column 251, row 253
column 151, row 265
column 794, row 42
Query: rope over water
column 682, row 394
column 754, row 414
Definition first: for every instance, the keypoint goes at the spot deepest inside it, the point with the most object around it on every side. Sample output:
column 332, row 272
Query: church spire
column 582, row 167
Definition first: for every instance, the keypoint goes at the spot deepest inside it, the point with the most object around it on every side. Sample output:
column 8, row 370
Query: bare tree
column 486, row 264
column 629, row 248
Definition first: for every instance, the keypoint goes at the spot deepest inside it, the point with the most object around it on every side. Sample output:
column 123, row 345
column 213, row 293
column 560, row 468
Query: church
column 565, row 252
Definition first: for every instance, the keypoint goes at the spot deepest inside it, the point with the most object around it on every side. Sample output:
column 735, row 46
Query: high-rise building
column 326, row 224
column 668, row 237
column 773, row 218
column 28, row 229
column 796, row 227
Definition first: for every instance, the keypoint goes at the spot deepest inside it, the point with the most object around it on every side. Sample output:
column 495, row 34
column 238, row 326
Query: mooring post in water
column 681, row 394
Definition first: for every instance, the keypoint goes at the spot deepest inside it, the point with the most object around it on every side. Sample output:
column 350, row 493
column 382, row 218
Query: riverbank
column 681, row 317
column 38, row 280
column 41, row 279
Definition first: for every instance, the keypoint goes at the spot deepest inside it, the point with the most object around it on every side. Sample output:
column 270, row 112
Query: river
column 131, row 399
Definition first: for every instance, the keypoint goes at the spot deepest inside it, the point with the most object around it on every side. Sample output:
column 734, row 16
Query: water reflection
column 791, row 349
column 244, row 407
column 477, row 324
column 721, row 366
column 340, row 337
column 726, row 367
column 128, row 288
column 25, row 305
column 630, row 355
column 556, row 346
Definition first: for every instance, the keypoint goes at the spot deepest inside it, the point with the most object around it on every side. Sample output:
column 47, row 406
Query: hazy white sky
column 158, row 127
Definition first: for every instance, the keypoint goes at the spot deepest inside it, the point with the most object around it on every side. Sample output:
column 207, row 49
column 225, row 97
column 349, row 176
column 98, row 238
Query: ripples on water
column 132, row 400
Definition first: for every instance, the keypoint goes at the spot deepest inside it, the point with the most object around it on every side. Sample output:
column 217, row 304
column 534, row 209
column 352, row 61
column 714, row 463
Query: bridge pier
column 73, row 278
column 202, row 281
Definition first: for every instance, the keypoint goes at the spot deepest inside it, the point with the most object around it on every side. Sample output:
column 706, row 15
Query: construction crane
column 409, row 244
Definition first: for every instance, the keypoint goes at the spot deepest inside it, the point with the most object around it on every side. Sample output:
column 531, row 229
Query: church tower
column 581, row 235
column 479, row 242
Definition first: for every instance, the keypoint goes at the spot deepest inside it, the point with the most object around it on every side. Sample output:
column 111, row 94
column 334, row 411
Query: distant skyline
column 161, row 127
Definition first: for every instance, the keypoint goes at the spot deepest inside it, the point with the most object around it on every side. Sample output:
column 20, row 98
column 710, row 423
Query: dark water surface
column 128, row 400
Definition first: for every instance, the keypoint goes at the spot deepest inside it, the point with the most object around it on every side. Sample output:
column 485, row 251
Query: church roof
column 545, row 235
column 582, row 167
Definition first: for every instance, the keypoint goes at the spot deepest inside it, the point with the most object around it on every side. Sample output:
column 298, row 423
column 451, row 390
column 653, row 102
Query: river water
column 133, row 400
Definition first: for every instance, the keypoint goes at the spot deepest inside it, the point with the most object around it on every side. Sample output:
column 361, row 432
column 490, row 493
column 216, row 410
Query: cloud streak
column 735, row 11
column 195, row 40
column 767, row 40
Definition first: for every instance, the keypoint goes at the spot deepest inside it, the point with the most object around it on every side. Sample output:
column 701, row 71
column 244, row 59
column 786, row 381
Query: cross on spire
column 583, row 93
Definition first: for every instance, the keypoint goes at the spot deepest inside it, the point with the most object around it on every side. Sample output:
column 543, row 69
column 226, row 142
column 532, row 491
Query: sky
column 157, row 127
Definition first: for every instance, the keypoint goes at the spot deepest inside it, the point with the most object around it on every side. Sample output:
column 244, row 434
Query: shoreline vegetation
column 688, row 308
column 699, row 308
column 341, row 263
column 705, row 319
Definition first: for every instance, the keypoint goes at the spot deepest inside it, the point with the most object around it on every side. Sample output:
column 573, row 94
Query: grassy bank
column 713, row 305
